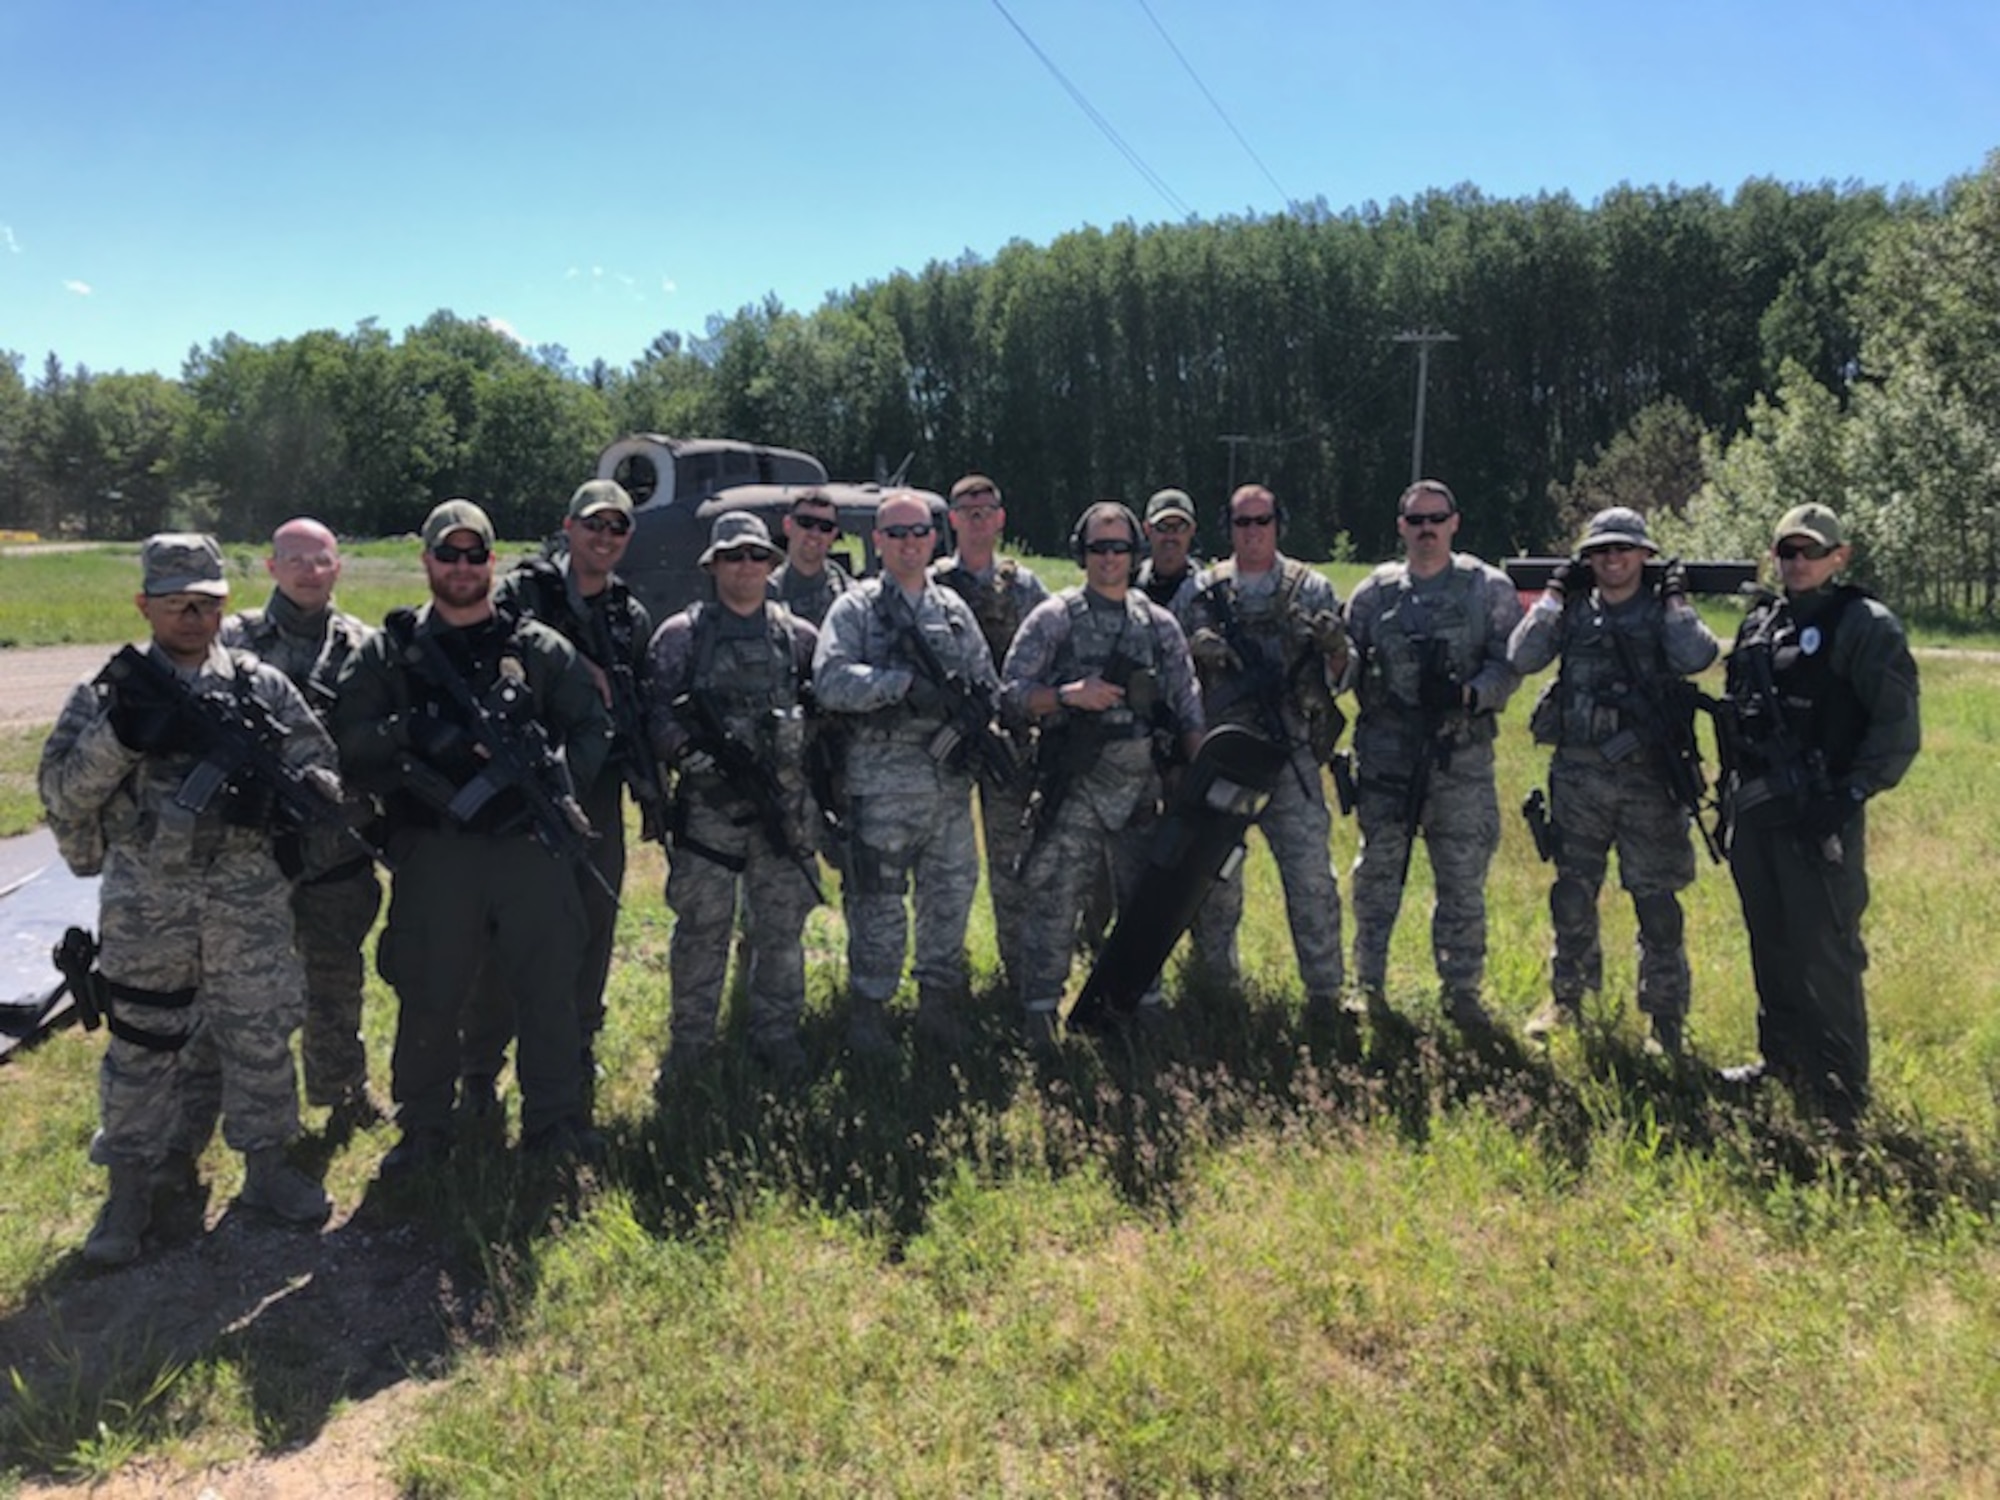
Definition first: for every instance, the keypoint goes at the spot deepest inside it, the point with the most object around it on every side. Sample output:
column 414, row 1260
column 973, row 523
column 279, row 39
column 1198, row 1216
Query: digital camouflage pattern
column 189, row 903
column 810, row 597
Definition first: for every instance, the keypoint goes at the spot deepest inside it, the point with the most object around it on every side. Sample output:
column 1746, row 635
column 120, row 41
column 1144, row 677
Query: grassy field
column 1232, row 1262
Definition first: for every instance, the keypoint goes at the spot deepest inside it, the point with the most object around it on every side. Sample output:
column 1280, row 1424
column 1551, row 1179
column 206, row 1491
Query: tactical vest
column 603, row 633
column 1591, row 699
column 750, row 668
column 1268, row 623
column 476, row 654
column 1118, row 646
column 1391, row 678
column 313, row 666
column 810, row 598
column 1823, row 710
column 995, row 603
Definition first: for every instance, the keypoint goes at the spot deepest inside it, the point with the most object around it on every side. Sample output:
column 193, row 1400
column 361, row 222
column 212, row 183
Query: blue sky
column 594, row 173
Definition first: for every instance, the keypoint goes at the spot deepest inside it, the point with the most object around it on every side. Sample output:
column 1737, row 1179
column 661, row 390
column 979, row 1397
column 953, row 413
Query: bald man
column 302, row 633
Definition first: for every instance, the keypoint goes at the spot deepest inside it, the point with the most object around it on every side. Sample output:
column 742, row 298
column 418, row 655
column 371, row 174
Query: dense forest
column 1710, row 358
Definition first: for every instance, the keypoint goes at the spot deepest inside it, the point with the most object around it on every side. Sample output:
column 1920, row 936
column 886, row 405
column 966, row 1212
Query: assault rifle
column 1439, row 700
column 1666, row 707
column 1532, row 574
column 237, row 737
column 514, row 750
column 1069, row 747
column 968, row 737
column 749, row 775
column 1262, row 680
column 634, row 746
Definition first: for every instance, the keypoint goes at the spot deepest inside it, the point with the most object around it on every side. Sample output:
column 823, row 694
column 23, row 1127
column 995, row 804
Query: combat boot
column 180, row 1201
column 1467, row 1013
column 1560, row 1014
column 1669, row 1036
column 281, row 1190
column 868, row 1029
column 121, row 1224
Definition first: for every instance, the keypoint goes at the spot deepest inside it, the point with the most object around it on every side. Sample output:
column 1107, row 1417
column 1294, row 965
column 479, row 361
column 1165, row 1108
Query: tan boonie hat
column 597, row 495
column 1815, row 521
column 182, row 562
column 456, row 515
column 739, row 528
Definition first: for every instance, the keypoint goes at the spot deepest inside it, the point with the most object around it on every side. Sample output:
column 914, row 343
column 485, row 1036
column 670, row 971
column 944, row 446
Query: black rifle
column 1666, row 706
column 748, row 775
column 237, row 737
column 1067, row 748
column 515, row 753
column 634, row 747
column 1801, row 772
column 1439, row 702
column 1263, row 681
column 967, row 738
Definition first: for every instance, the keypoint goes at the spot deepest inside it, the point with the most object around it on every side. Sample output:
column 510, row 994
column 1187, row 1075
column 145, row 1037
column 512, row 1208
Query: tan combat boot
column 282, row 1190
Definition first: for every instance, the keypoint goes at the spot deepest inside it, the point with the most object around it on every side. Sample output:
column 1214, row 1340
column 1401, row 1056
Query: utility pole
column 1423, row 341
column 1235, row 440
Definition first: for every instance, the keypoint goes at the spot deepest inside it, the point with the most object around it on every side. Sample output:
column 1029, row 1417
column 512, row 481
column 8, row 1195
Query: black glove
column 147, row 719
column 1827, row 817
column 925, row 697
column 1674, row 581
column 1564, row 575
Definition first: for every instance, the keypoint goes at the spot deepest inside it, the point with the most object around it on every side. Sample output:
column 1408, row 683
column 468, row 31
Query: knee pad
column 1660, row 920
column 1571, row 902
column 878, row 872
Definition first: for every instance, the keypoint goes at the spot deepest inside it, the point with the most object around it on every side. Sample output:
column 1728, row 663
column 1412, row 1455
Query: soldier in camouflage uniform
column 748, row 658
column 473, row 875
column 1267, row 640
column 810, row 580
column 1430, row 672
column 578, row 594
column 1101, row 668
column 1822, row 716
column 1000, row 593
column 911, row 808
column 1168, row 574
column 305, row 635
column 197, row 941
column 1604, row 712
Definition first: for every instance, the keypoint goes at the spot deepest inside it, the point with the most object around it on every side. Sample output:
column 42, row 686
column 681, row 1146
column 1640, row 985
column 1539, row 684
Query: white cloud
column 7, row 238
column 571, row 274
column 80, row 288
column 505, row 329
column 667, row 284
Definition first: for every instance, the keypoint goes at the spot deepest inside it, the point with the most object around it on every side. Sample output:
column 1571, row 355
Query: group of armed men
column 482, row 747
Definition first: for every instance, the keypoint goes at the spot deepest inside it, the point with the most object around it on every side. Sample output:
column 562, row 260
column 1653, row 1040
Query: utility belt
column 1623, row 748
column 1742, row 793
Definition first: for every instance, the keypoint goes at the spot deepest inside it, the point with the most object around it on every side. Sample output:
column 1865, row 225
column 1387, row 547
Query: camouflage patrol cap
column 971, row 485
column 456, row 515
column 739, row 528
column 182, row 562
column 1815, row 521
column 599, row 495
column 1619, row 526
column 1170, row 502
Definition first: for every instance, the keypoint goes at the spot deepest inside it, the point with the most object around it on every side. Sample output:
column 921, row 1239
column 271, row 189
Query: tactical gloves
column 148, row 720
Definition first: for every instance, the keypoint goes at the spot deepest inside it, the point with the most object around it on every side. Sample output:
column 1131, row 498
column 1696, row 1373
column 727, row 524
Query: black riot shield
column 1198, row 842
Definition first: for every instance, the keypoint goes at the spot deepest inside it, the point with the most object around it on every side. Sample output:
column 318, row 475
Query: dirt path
column 34, row 680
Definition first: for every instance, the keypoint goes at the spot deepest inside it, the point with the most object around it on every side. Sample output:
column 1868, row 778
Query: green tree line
column 1706, row 356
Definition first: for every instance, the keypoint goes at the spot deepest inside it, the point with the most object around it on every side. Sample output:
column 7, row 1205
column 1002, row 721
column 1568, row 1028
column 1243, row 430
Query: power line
column 1159, row 183
column 1215, row 104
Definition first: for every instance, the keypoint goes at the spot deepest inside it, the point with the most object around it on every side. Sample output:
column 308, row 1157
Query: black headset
column 1100, row 508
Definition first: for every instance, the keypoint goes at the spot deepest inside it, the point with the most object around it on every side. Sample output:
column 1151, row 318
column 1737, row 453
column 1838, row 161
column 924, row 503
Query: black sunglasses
column 903, row 529
column 615, row 524
column 1811, row 551
column 1268, row 518
column 743, row 554
column 1436, row 518
column 1107, row 546
column 815, row 523
column 476, row 554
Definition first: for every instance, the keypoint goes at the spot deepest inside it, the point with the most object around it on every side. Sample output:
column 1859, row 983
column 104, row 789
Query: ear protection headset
column 1093, row 512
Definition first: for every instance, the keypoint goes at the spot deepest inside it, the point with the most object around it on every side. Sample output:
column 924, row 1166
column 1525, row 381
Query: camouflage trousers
column 1460, row 822
column 705, row 896
column 1000, row 815
column 914, row 833
column 1093, row 831
column 1297, row 826
column 333, row 916
column 1597, row 807
column 198, row 947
